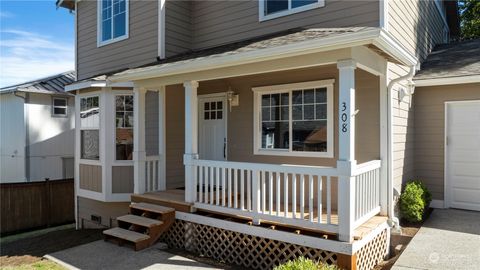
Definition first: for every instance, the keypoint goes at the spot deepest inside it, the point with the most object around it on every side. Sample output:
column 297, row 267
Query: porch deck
column 175, row 198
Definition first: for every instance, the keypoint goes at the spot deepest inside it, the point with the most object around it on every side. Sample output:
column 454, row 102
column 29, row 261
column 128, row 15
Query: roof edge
column 447, row 80
column 95, row 84
column 375, row 36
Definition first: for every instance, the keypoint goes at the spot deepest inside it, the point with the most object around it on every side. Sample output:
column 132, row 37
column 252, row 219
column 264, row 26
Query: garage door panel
column 463, row 155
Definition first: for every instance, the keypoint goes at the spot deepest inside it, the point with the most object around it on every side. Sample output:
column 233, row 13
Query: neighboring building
column 37, row 130
column 294, row 114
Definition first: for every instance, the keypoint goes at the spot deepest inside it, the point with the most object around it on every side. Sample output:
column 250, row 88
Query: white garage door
column 463, row 155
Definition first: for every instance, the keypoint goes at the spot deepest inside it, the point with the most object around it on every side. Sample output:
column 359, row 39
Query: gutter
column 393, row 221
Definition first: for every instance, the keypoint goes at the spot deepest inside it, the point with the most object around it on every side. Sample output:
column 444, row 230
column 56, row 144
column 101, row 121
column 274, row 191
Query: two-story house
column 273, row 128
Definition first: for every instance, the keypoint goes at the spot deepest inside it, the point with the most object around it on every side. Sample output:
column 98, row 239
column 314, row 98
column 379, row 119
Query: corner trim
column 383, row 10
column 161, row 28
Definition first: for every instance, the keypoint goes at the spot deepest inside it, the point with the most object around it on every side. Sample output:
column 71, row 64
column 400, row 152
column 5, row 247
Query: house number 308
column 344, row 117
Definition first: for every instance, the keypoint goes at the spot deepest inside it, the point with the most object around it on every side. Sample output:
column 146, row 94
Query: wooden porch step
column 154, row 208
column 131, row 236
column 141, row 221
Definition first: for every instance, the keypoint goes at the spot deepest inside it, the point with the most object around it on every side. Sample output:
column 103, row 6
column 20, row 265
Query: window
column 213, row 110
column 270, row 9
column 294, row 119
column 59, row 106
column 89, row 127
column 112, row 21
column 124, row 127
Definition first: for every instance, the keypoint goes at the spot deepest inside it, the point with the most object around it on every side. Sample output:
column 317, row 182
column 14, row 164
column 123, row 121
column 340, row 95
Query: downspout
column 393, row 221
column 26, row 153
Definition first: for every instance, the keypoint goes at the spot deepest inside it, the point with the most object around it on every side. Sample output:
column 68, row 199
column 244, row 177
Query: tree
column 469, row 18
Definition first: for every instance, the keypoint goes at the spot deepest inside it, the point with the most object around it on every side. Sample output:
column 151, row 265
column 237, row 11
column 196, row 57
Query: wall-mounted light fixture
column 233, row 98
column 406, row 91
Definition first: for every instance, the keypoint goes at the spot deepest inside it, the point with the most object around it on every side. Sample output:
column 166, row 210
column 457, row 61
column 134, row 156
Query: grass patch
column 40, row 265
column 305, row 264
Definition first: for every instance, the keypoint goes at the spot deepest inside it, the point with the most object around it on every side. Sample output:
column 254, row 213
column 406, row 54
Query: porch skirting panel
column 255, row 252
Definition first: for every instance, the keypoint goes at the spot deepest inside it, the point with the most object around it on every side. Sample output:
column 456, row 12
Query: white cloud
column 27, row 56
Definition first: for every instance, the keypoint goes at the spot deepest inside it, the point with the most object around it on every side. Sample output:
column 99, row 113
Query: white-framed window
column 59, row 107
column 270, row 9
column 124, row 127
column 294, row 119
column 112, row 21
column 90, row 127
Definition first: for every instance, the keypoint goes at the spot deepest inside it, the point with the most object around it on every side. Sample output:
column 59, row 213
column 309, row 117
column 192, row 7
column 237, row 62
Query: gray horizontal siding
column 140, row 48
column 221, row 22
column 178, row 27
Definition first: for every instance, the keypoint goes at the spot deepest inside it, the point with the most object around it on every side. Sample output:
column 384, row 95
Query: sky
column 36, row 40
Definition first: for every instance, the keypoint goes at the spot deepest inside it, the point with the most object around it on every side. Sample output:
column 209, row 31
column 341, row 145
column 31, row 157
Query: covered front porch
column 300, row 146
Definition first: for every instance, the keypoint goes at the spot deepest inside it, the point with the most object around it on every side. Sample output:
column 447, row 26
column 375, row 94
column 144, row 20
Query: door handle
column 225, row 148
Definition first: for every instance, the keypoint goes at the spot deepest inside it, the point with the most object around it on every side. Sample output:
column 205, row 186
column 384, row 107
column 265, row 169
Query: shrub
column 414, row 201
column 302, row 263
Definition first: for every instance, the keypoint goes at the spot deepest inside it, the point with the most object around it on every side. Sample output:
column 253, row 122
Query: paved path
column 105, row 255
column 449, row 239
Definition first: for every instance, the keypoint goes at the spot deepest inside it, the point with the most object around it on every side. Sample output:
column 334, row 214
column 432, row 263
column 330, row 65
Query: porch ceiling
column 294, row 43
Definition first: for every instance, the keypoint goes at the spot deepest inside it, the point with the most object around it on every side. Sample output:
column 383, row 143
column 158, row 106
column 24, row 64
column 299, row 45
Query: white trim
column 384, row 14
column 384, row 143
column 447, row 81
column 376, row 36
column 75, row 40
column 258, row 91
column 76, row 169
column 261, row 10
column 96, row 84
column 437, row 204
column 101, row 43
column 161, row 28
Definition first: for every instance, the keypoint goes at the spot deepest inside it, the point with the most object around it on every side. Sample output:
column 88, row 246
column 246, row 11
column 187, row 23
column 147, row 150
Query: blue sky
column 36, row 40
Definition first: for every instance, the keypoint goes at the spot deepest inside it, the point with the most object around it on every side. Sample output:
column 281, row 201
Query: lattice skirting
column 373, row 252
column 257, row 252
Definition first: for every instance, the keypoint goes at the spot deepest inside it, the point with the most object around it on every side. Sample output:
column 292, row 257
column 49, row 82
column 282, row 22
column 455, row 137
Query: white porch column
column 346, row 159
column 162, row 183
column 139, row 154
column 191, row 138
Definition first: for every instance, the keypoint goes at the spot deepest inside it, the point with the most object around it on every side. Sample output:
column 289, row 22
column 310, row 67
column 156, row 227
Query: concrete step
column 131, row 236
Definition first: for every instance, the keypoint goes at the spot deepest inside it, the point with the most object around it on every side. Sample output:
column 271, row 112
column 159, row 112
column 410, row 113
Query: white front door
column 463, row 155
column 212, row 124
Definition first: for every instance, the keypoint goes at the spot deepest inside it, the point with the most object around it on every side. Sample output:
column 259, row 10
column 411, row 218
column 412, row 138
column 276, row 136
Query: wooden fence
column 26, row 206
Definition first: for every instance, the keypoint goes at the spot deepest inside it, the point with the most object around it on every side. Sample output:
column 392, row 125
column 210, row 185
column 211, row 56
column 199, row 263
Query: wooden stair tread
column 152, row 208
column 142, row 221
column 126, row 234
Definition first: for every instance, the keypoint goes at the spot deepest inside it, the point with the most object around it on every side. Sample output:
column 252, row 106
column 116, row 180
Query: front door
column 212, row 124
column 463, row 155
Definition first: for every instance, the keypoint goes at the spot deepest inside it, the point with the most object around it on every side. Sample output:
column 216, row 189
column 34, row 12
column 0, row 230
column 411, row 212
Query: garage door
column 463, row 155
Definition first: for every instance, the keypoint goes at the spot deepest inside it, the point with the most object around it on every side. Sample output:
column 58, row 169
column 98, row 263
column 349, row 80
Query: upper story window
column 89, row 127
column 294, row 119
column 270, row 9
column 59, row 106
column 112, row 21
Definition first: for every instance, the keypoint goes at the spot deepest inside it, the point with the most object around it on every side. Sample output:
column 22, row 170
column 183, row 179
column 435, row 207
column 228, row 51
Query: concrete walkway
column 105, row 255
column 449, row 239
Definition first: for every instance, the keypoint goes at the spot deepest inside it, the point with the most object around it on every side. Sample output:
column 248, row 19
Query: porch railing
column 303, row 196
column 367, row 191
column 280, row 193
column 152, row 173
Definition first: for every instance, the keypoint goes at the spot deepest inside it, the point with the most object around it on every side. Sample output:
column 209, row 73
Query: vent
column 96, row 219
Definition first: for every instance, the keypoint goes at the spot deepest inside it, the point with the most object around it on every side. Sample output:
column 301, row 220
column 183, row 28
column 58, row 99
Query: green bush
column 414, row 201
column 302, row 263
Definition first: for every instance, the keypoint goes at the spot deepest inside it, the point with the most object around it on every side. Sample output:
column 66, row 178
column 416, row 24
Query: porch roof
column 290, row 43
